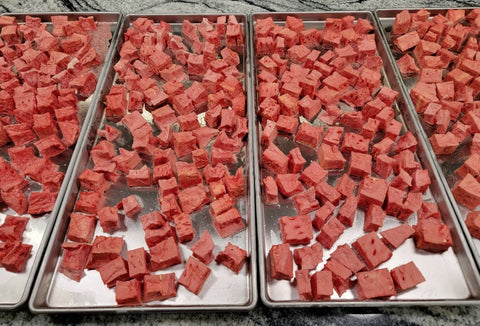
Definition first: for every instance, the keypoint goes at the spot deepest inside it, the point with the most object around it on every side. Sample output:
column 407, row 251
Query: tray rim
column 34, row 308
column 345, row 303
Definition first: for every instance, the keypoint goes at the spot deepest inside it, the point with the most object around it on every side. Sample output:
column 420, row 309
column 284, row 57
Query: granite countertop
column 261, row 315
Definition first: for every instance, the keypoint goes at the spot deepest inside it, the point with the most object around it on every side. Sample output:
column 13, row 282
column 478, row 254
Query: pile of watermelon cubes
column 442, row 52
column 175, row 125
column 320, row 91
column 45, row 70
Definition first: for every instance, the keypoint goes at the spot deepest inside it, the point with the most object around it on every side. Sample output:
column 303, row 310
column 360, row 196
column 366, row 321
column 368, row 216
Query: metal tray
column 446, row 165
column 15, row 287
column 451, row 278
column 223, row 290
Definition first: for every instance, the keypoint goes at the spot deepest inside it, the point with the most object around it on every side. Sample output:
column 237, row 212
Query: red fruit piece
column 360, row 164
column 467, row 192
column 109, row 219
column 203, row 248
column 322, row 285
column 188, row 174
column 113, row 271
column 10, row 178
column 304, row 286
column 305, row 202
column 313, row 174
column 81, row 227
column 407, row 276
column 296, row 229
column 271, row 190
column 159, row 287
column 156, row 235
column 322, row 215
column 183, row 225
column 372, row 250
column 164, row 254
column 139, row 178
column 325, row 193
column 12, row 228
column 152, row 220
column 128, row 293
column 194, row 275
column 104, row 249
column 281, row 262
column 42, row 202
column 374, row 284
column 345, row 186
column 137, row 263
column 374, row 217
column 330, row 233
column 235, row 184
column 330, row 158
column 288, row 184
column 372, row 191
column 17, row 256
column 193, row 198
column 473, row 223
column 228, row 223
column 131, row 206
column 340, row 275
column 183, row 143
column 433, row 236
column 309, row 135
column 275, row 160
column 347, row 257
column 89, row 202
column 233, row 257
column 308, row 257
column 74, row 258
column 346, row 213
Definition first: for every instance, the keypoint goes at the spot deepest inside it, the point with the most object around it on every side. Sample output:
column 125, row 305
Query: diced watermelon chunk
column 372, row 250
column 81, row 227
column 159, row 287
column 41, row 202
column 297, row 229
column 308, row 257
column 12, row 228
column 74, row 259
column 194, row 275
column 407, row 276
column 281, row 262
column 304, row 287
column 322, row 285
column 164, row 254
column 374, row 284
column 340, row 275
column 467, row 192
column 433, row 236
column 347, row 257
column 104, row 249
column 232, row 257
column 128, row 293
column 330, row 233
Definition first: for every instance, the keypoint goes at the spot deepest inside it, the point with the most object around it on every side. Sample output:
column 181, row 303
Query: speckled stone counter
column 261, row 315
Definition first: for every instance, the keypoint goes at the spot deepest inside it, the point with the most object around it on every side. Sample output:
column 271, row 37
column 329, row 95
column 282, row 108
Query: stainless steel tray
column 224, row 290
column 16, row 287
column 451, row 278
column 446, row 165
